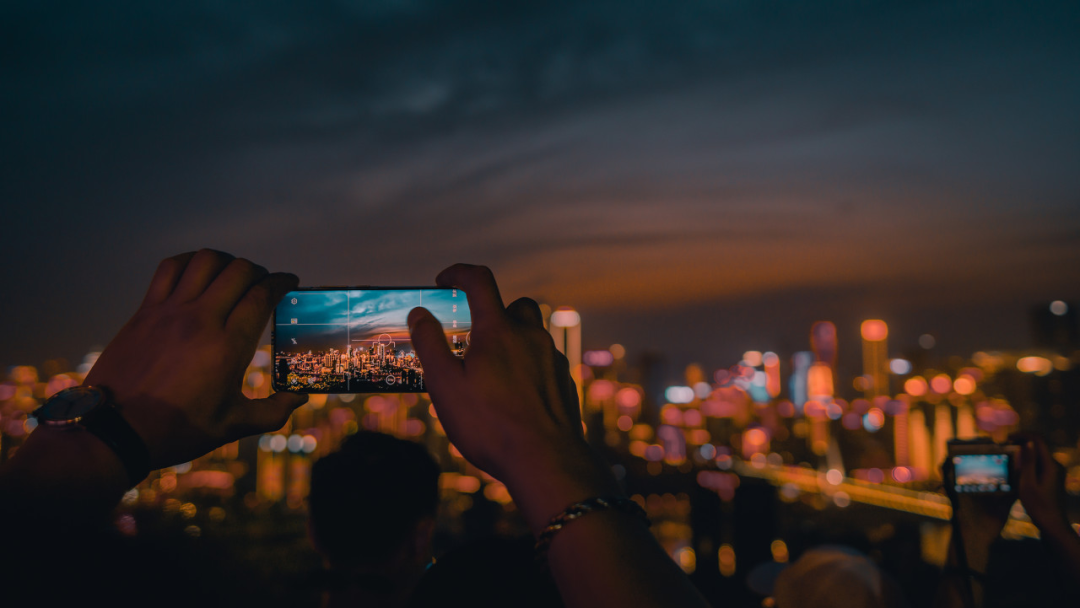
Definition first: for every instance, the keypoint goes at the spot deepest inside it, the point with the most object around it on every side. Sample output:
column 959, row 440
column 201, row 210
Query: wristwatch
column 91, row 408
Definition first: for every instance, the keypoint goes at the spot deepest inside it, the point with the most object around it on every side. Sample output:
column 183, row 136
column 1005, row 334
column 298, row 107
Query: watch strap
column 106, row 423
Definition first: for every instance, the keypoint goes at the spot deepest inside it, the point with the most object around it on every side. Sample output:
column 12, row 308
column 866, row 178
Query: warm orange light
column 628, row 397
column 772, row 373
column 497, row 492
column 601, row 390
column 755, row 437
column 256, row 379
column 819, row 380
column 1035, row 365
column 964, row 385
column 468, row 484
column 687, row 559
column 625, row 423
column 671, row 414
column 875, row 419
column 814, row 409
column 779, row 551
column 726, row 557
column 414, row 427
column 916, row 387
column 699, row 437
column 874, row 330
column 693, row 418
column 941, row 384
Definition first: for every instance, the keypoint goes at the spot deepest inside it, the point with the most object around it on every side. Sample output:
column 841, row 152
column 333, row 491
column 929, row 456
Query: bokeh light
column 874, row 330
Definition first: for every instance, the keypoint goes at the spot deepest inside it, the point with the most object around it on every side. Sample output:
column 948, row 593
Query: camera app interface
column 982, row 473
column 357, row 341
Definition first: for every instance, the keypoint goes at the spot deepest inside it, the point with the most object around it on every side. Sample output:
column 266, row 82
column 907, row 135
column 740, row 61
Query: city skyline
column 797, row 256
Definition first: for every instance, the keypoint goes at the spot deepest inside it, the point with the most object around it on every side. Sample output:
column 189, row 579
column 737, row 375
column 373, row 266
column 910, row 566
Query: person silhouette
column 371, row 516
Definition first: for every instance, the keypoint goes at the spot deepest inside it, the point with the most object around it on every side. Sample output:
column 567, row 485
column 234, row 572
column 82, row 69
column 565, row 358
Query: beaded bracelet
column 576, row 510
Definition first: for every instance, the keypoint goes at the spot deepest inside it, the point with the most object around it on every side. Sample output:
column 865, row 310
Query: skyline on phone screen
column 357, row 340
column 981, row 472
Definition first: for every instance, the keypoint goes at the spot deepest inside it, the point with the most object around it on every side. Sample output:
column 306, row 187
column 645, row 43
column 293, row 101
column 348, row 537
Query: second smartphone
column 356, row 339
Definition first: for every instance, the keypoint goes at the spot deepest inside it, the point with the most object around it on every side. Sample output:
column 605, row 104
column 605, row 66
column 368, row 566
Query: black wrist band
column 109, row 426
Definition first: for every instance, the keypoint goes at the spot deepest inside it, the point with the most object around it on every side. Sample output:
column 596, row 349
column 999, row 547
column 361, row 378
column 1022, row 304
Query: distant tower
column 875, row 358
column 820, row 389
column 565, row 327
column 920, row 442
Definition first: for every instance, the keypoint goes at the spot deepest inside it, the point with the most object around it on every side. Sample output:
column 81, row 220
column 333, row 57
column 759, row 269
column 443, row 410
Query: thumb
column 1047, row 466
column 1027, row 462
column 270, row 413
column 441, row 367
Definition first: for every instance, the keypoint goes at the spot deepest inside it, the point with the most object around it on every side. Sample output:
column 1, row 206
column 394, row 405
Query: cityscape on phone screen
column 357, row 341
column 981, row 473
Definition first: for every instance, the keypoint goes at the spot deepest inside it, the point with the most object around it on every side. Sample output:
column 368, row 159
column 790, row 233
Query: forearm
column 597, row 559
column 960, row 575
column 65, row 472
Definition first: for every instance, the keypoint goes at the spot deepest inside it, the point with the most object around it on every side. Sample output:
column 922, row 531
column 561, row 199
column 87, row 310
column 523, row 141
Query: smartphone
column 983, row 467
column 356, row 339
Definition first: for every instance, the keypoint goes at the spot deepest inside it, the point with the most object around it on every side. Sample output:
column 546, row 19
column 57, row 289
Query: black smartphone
column 983, row 467
column 356, row 339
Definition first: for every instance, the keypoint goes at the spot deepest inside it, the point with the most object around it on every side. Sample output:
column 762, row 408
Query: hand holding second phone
column 176, row 368
column 510, row 405
column 1042, row 491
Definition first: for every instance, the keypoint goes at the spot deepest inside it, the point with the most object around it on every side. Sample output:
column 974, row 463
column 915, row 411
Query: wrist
column 1055, row 526
column 69, row 461
column 1047, row 519
column 554, row 481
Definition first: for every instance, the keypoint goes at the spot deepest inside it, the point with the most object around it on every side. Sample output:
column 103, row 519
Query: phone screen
column 983, row 473
column 356, row 340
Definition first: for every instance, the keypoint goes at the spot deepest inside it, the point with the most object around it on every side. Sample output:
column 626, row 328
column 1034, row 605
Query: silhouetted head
column 373, row 502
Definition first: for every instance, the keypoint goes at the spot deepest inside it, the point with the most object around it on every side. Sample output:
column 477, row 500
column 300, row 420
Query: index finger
column 1046, row 460
column 166, row 277
column 253, row 311
column 480, row 288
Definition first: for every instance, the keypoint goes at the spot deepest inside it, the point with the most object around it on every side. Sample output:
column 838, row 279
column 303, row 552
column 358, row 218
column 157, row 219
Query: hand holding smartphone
column 356, row 339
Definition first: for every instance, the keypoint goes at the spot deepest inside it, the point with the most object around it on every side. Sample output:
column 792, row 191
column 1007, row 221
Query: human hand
column 510, row 406
column 1041, row 483
column 176, row 368
column 982, row 517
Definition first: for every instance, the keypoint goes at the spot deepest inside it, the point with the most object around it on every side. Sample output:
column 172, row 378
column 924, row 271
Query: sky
column 698, row 178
